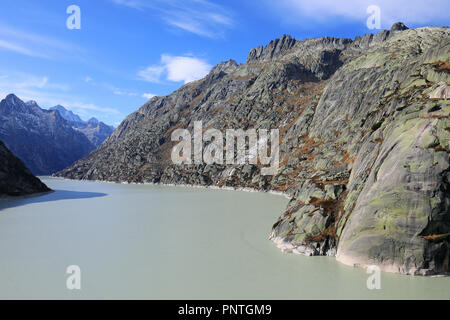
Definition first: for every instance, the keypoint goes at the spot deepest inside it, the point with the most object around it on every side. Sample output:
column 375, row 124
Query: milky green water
column 156, row 242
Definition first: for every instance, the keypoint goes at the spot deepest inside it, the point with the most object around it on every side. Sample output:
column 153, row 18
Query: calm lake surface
column 159, row 242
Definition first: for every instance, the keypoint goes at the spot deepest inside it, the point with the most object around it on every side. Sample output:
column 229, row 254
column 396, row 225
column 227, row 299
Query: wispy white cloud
column 152, row 73
column 148, row 95
column 135, row 4
column 190, row 25
column 200, row 17
column 176, row 69
column 92, row 107
column 118, row 91
column 124, row 93
column 113, row 89
column 407, row 11
column 14, row 81
column 35, row 45
column 10, row 46
column 47, row 93
column 30, row 82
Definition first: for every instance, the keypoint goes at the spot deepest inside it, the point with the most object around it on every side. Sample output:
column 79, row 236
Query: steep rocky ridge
column 15, row 178
column 95, row 130
column 66, row 114
column 364, row 129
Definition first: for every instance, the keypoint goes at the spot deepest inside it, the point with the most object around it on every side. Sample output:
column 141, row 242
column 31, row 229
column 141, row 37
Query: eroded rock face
column 364, row 149
column 442, row 92
column 274, row 49
column 15, row 178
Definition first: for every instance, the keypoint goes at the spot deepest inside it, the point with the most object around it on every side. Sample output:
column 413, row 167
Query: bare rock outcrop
column 15, row 178
column 364, row 150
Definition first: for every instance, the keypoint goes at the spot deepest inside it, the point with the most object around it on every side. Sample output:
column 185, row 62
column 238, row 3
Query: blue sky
column 128, row 50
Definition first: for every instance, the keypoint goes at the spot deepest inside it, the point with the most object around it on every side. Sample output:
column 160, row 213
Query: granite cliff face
column 42, row 139
column 15, row 178
column 365, row 140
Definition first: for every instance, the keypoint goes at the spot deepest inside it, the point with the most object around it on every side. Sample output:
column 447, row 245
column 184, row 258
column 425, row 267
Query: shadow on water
column 48, row 197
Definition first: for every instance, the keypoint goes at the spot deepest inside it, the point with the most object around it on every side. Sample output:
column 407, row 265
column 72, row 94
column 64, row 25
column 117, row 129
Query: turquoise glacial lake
column 160, row 242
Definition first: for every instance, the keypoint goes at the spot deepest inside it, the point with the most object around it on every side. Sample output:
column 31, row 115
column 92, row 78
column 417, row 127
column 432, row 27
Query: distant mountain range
column 45, row 140
column 67, row 114
column 95, row 130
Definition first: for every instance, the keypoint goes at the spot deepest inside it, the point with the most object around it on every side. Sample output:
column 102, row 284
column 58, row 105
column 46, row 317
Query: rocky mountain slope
column 15, row 178
column 365, row 140
column 67, row 114
column 95, row 130
column 42, row 139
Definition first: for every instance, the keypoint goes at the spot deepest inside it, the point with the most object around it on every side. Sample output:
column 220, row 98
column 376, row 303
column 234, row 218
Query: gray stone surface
column 364, row 149
column 15, row 178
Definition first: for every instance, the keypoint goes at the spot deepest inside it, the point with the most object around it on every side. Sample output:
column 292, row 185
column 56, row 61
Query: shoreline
column 244, row 189
column 25, row 196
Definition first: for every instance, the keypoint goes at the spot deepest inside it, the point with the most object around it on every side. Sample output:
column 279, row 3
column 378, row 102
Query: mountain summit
column 67, row 114
column 95, row 130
